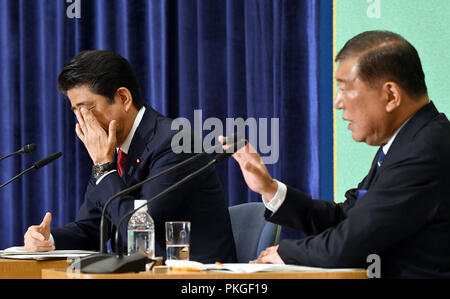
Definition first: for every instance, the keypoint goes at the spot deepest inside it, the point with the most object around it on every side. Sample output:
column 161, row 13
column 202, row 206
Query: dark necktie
column 381, row 156
column 121, row 158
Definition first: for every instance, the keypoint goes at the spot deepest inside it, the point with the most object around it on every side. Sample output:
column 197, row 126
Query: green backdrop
column 426, row 25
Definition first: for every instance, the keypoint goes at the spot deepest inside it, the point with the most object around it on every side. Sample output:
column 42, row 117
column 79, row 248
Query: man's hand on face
column 99, row 143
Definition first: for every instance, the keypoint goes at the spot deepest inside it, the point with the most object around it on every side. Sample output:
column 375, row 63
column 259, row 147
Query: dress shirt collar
column 387, row 146
column 125, row 147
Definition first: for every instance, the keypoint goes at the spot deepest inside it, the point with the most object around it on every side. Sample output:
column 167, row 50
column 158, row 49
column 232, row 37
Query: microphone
column 218, row 159
column 237, row 144
column 39, row 164
column 29, row 148
column 104, row 225
column 107, row 263
column 24, row 150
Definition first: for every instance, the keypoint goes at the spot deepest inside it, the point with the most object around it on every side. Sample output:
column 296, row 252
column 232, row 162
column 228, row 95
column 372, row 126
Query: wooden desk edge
column 27, row 269
column 63, row 274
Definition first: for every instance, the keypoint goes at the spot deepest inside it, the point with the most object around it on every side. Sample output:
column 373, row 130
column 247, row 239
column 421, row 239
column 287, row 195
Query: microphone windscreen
column 47, row 160
column 27, row 149
column 231, row 139
column 235, row 147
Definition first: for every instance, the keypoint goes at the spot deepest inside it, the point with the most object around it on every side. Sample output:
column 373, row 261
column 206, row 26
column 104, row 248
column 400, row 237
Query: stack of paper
column 20, row 254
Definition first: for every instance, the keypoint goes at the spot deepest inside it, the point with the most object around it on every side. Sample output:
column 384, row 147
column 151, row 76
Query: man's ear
column 393, row 95
column 124, row 96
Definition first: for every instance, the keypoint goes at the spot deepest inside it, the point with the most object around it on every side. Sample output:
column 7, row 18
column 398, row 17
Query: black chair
column 252, row 233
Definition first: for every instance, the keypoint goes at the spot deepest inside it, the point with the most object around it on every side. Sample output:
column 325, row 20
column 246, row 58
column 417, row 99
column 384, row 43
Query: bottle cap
column 140, row 202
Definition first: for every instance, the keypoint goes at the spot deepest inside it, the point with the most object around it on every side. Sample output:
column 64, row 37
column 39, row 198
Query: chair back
column 252, row 233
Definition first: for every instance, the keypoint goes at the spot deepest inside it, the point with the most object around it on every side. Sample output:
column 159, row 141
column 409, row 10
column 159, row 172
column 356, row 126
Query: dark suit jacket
column 200, row 201
column 404, row 217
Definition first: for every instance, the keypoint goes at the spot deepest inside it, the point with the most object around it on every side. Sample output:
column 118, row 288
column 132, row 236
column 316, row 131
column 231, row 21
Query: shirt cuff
column 51, row 240
column 275, row 203
column 101, row 178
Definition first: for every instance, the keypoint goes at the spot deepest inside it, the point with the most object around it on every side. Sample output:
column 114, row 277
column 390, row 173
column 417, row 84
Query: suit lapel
column 411, row 128
column 372, row 172
column 141, row 137
column 406, row 134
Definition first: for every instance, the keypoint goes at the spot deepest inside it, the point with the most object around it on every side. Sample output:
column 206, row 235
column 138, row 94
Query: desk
column 22, row 269
column 353, row 274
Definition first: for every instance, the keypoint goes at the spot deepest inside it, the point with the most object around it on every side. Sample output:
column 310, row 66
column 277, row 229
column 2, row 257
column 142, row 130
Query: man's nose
column 338, row 103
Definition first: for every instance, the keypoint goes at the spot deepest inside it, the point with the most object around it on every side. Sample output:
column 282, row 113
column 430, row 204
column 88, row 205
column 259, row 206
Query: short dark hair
column 384, row 55
column 103, row 72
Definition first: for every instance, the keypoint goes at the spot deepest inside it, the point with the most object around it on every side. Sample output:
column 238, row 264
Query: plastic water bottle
column 141, row 231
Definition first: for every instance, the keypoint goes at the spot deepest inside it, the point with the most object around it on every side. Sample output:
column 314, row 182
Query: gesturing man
column 401, row 209
column 128, row 141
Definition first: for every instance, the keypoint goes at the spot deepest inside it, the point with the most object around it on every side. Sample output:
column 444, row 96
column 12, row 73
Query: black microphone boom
column 107, row 263
column 217, row 159
column 37, row 165
column 47, row 160
column 161, row 194
column 24, row 150
column 84, row 264
column 103, row 223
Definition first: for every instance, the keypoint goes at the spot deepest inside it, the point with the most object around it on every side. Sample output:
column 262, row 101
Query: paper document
column 20, row 254
column 248, row 268
column 253, row 268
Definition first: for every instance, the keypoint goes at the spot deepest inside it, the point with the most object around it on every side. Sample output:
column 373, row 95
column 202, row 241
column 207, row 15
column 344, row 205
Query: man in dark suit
column 401, row 209
column 105, row 97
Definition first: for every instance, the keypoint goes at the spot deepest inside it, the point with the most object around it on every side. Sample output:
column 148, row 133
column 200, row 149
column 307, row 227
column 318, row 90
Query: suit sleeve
column 402, row 200
column 83, row 233
column 300, row 212
column 312, row 216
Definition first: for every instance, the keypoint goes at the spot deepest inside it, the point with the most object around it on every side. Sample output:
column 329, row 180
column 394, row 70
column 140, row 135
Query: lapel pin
column 138, row 160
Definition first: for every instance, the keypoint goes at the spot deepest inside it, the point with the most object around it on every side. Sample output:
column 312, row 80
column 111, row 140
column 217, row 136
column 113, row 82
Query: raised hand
column 99, row 143
column 36, row 237
column 254, row 171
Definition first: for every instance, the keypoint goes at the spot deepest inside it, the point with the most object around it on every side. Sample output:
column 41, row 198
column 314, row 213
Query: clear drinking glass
column 177, row 240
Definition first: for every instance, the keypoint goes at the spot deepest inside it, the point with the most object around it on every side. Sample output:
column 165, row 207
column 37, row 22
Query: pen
column 184, row 269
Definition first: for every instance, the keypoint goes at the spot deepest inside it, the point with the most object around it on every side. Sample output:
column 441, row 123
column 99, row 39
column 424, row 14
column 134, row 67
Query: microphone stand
column 104, row 224
column 37, row 165
column 29, row 148
column 119, row 251
column 85, row 262
column 119, row 263
column 136, row 262
column 103, row 253
column 10, row 155
column 18, row 176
